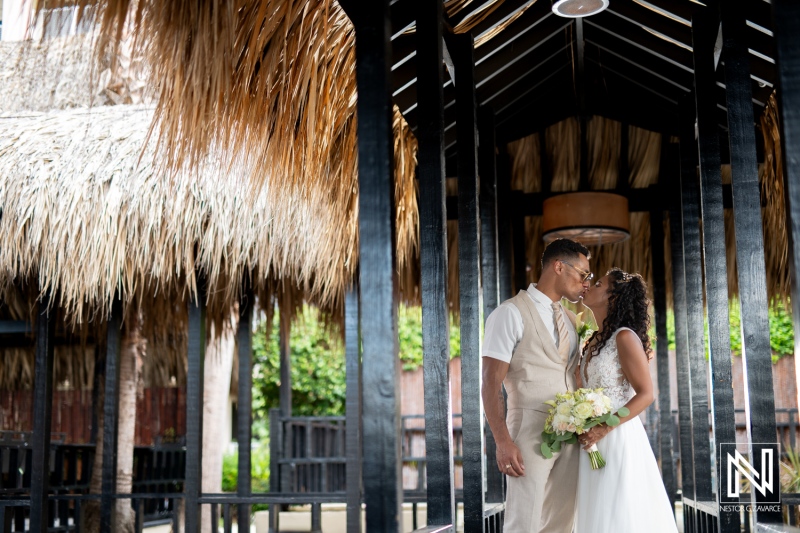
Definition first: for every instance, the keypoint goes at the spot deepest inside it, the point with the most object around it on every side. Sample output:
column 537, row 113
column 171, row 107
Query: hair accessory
column 626, row 277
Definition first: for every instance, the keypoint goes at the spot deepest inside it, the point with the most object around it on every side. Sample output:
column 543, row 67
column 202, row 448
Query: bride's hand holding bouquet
column 574, row 413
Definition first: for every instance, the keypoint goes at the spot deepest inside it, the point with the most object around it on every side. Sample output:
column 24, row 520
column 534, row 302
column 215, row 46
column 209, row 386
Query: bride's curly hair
column 627, row 307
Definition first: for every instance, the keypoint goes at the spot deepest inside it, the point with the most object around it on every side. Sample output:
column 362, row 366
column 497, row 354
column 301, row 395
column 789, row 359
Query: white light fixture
column 578, row 8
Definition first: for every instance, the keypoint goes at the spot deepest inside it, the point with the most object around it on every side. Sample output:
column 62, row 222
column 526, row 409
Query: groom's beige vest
column 537, row 372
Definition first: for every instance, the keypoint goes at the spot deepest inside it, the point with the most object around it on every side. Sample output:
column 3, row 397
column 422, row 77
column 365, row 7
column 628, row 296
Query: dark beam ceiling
column 638, row 64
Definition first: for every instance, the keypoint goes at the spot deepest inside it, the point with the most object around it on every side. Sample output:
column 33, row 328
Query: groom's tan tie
column 563, row 333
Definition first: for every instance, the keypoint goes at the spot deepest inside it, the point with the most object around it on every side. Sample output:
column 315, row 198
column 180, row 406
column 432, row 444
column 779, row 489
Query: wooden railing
column 308, row 456
column 158, row 469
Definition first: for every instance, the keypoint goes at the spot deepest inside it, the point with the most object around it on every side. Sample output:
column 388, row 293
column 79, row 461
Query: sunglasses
column 585, row 276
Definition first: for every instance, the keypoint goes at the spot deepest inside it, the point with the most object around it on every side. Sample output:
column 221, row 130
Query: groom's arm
column 494, row 372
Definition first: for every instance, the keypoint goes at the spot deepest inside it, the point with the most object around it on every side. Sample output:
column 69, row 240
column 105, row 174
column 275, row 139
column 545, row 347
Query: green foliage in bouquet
column 572, row 414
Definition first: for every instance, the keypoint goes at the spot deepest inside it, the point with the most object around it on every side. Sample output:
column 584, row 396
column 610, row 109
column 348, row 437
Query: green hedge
column 781, row 330
column 318, row 363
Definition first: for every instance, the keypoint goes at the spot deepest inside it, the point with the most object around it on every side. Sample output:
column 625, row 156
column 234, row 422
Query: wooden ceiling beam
column 534, row 15
column 636, row 13
column 640, row 38
column 512, row 56
column 640, row 200
column 676, row 11
column 641, row 79
column 624, row 64
column 470, row 9
column 609, row 45
column 531, row 69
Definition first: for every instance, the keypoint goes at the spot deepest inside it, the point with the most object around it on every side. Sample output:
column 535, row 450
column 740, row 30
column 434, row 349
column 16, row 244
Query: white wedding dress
column 627, row 495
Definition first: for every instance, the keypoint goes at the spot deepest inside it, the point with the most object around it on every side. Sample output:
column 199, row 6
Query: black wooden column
column 285, row 389
column 518, row 234
column 469, row 272
column 745, row 188
column 668, row 172
column 681, row 354
column 504, row 247
column 111, row 417
column 490, row 275
column 786, row 25
column 487, row 170
column 433, row 264
column 382, row 459
column 687, row 151
column 352, row 343
column 42, row 415
column 194, row 407
column 705, row 25
column 698, row 374
column 244, row 402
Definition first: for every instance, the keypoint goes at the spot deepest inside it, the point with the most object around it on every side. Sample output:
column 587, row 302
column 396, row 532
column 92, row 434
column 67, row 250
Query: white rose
column 571, row 427
column 563, row 409
column 561, row 423
column 583, row 410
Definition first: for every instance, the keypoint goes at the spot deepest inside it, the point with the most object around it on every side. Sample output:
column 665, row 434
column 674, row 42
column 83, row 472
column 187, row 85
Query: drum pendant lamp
column 592, row 218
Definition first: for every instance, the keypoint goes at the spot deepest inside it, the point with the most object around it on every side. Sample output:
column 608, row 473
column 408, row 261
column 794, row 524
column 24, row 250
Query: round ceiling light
column 591, row 218
column 578, row 8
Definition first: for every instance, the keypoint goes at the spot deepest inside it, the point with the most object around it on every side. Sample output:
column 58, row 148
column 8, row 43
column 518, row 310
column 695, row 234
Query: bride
column 627, row 495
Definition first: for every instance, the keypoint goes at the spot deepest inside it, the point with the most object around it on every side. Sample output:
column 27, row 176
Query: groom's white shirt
column 504, row 326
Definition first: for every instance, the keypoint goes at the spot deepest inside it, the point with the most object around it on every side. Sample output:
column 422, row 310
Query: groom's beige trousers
column 543, row 500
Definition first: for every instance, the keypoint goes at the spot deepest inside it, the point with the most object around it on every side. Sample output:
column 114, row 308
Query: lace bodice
column 604, row 370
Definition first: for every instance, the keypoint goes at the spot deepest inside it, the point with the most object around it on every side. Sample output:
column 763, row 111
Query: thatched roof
column 240, row 77
column 64, row 72
column 86, row 211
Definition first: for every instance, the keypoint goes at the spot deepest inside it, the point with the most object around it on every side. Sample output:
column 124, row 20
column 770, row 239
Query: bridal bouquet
column 573, row 413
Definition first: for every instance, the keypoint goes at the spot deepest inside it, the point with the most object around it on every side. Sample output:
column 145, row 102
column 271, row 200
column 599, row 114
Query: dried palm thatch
column 87, row 213
column 776, row 241
column 62, row 72
column 266, row 91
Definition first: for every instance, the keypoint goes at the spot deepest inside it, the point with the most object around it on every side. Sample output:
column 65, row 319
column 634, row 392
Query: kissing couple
column 531, row 347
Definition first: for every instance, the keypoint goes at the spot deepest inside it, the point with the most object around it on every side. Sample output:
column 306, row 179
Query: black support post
column 285, row 389
column 698, row 375
column 433, row 264
column 244, row 405
column 518, row 233
column 42, row 414
column 487, row 170
column 381, row 420
column 705, row 25
column 352, row 342
column 110, row 417
column 687, row 149
column 756, row 350
column 469, row 271
column 194, row 408
column 786, row 25
column 504, row 247
column 668, row 171
column 490, row 278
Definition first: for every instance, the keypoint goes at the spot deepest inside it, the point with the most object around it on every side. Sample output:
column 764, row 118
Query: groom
column 530, row 345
